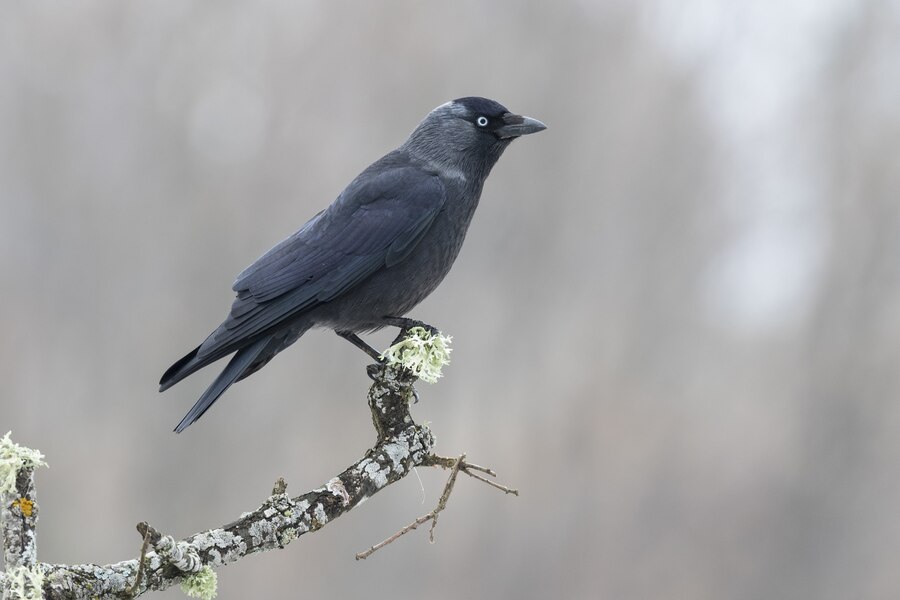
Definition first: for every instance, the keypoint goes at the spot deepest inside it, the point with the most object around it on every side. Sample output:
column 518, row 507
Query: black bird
column 382, row 246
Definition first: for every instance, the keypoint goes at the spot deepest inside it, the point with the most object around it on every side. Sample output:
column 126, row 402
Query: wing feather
column 377, row 221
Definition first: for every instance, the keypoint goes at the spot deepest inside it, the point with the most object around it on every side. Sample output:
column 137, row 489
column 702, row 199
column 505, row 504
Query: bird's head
column 469, row 131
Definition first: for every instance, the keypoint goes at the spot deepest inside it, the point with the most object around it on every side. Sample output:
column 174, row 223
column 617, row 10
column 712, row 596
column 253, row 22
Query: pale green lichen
column 24, row 583
column 288, row 536
column 201, row 584
column 421, row 352
column 14, row 458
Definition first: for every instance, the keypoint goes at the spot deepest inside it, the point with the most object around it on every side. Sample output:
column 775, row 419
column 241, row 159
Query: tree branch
column 401, row 445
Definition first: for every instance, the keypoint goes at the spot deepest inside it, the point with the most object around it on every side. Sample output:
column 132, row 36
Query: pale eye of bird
column 482, row 121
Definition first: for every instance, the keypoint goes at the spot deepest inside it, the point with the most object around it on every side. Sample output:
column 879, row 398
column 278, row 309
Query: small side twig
column 431, row 516
column 423, row 519
column 445, row 495
column 472, row 467
column 493, row 484
column 469, row 468
column 132, row 591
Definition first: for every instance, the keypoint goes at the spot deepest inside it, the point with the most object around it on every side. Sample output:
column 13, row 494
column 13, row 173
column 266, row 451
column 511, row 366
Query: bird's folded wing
column 377, row 221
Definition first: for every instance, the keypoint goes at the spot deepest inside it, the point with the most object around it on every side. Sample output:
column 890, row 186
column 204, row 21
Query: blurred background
column 676, row 317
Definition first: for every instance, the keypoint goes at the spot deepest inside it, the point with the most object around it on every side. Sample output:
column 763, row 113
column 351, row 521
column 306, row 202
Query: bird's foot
column 406, row 324
column 373, row 371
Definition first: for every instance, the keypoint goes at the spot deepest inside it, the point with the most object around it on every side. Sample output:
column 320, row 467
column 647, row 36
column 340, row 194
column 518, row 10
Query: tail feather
column 238, row 364
column 179, row 370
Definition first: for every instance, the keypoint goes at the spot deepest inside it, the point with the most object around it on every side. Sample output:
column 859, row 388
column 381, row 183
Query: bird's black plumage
column 383, row 245
column 481, row 106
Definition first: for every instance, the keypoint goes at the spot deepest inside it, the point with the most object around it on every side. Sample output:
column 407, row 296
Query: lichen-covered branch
column 401, row 445
column 18, row 519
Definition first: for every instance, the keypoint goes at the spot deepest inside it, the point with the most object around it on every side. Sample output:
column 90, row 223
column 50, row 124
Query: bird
column 367, row 259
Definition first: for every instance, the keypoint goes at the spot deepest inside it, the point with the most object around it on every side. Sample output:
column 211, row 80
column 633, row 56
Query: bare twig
column 448, row 489
column 423, row 519
column 431, row 516
column 445, row 462
column 472, row 467
column 468, row 468
column 132, row 592
column 493, row 484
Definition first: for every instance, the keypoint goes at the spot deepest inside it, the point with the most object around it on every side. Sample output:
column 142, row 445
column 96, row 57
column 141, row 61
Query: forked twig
column 456, row 465
column 469, row 468
column 431, row 516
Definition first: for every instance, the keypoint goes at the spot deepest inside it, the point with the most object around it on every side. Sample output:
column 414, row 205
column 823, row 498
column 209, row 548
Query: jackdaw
column 382, row 246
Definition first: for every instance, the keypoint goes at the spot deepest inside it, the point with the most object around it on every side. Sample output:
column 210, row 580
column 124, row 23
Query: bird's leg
column 359, row 343
column 405, row 325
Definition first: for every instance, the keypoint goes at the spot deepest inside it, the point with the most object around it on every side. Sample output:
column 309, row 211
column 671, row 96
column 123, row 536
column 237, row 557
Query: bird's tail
column 186, row 365
column 237, row 366
column 192, row 362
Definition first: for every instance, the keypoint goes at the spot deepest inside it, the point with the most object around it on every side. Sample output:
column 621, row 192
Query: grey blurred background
column 676, row 318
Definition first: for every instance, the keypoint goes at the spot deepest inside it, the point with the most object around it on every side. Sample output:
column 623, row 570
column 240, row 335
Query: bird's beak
column 517, row 125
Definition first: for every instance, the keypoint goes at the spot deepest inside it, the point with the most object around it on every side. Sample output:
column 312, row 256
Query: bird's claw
column 405, row 324
column 373, row 370
column 430, row 329
column 434, row 331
